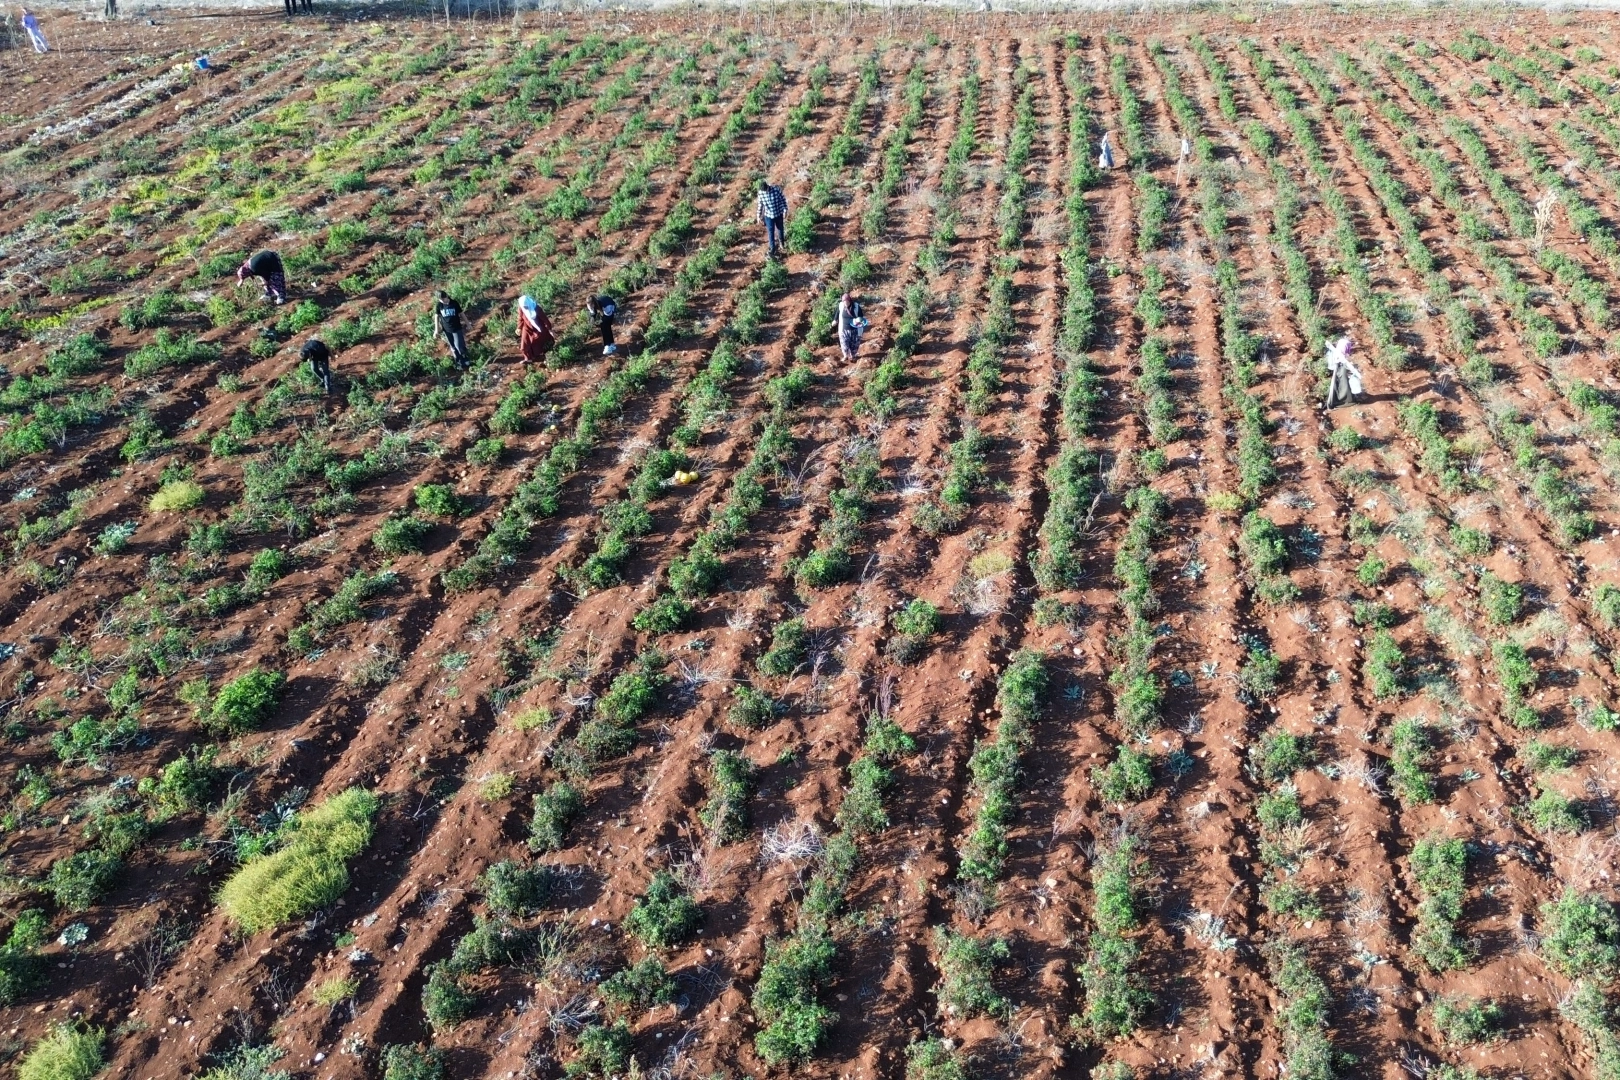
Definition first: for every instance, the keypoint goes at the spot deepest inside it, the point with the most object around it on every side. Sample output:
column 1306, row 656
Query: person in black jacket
column 447, row 324
column 267, row 267
column 320, row 362
column 603, row 309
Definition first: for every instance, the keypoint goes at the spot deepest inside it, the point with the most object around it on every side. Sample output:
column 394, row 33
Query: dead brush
column 1361, row 770
column 791, row 841
column 377, row 668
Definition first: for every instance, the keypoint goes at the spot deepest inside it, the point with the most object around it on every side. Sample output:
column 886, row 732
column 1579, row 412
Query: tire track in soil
column 1506, row 835
column 401, row 694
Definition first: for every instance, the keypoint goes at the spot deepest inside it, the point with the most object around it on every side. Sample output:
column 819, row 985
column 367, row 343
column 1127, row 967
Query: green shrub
column 790, row 646
column 1466, row 1021
column 310, row 868
column 913, row 625
column 666, row 915
column 511, row 888
column 933, row 1059
column 335, row 991
column 1580, row 936
column 401, row 1062
column 1549, row 757
column 1384, row 665
column 1503, row 601
column 184, row 784
column 1260, row 672
column 1371, row 571
column 640, row 986
column 248, row 1062
column 402, row 535
column 1606, row 602
column 21, row 966
column 1127, row 779
column 731, row 782
column 554, row 811
column 1587, row 1007
column 1409, row 760
column 1439, row 867
column 244, row 703
column 1279, row 808
column 1304, row 1013
column 604, row 1051
column 486, row 451
column 177, row 496
column 666, row 614
column 441, row 500
column 1475, row 543
column 65, row 1052
column 165, row 351
column 1554, row 812
column 1518, row 677
column 629, row 697
column 445, row 1001
column 1279, row 755
column 80, row 880
column 1289, row 898
column 792, row 1021
column 752, row 709
column 269, row 566
column 966, row 970
column 1346, row 440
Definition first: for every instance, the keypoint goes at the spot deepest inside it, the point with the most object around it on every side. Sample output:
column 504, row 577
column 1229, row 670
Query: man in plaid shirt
column 772, row 211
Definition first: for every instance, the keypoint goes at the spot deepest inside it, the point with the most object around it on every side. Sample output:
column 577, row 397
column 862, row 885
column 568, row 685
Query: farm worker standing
column 535, row 337
column 266, row 266
column 447, row 324
column 772, row 211
column 320, row 362
column 603, row 309
column 851, row 324
column 35, row 34
column 1105, row 153
column 1344, row 380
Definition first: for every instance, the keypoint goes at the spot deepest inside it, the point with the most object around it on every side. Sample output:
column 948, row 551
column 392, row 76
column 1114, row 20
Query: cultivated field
column 1056, row 691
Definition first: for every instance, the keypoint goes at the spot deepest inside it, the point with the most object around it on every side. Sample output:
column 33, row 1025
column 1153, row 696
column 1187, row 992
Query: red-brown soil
column 125, row 171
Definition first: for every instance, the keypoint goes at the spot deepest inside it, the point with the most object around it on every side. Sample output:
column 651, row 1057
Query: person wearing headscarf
column 535, row 336
column 1344, row 379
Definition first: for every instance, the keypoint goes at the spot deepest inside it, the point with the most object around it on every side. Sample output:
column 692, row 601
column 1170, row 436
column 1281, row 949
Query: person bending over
column 267, row 267
column 320, row 362
column 603, row 309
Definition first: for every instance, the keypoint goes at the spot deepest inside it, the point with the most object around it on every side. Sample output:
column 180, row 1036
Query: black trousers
column 322, row 367
column 606, row 326
column 458, row 346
